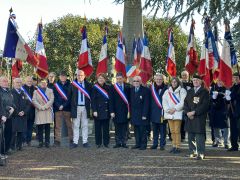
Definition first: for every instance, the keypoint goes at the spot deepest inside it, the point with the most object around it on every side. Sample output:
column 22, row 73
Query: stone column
column 132, row 24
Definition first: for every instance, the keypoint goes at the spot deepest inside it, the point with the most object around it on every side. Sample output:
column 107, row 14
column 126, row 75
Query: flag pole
column 11, row 59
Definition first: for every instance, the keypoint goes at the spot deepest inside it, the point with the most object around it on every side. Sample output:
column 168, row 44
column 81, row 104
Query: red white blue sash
column 60, row 91
column 174, row 98
column 156, row 96
column 45, row 98
column 122, row 95
column 26, row 93
column 102, row 91
column 81, row 89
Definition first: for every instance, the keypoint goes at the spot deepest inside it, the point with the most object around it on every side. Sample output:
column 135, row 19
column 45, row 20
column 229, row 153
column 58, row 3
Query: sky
column 29, row 13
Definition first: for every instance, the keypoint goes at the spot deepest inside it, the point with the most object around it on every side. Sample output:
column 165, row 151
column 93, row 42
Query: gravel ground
column 108, row 163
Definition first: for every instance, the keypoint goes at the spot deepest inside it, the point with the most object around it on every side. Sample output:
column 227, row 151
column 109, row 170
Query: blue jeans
column 159, row 129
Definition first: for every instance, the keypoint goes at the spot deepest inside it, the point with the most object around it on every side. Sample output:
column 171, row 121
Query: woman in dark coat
column 218, row 115
column 102, row 110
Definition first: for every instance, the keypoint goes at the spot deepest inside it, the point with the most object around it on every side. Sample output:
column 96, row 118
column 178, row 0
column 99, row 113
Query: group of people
column 181, row 105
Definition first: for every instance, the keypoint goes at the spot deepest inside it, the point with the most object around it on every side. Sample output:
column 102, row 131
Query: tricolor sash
column 81, row 89
column 156, row 96
column 174, row 98
column 60, row 91
column 45, row 98
column 102, row 91
column 122, row 95
column 27, row 94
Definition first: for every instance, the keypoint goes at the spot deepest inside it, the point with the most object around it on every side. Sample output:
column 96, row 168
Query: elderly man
column 51, row 80
column 80, row 108
column 3, row 118
column 28, row 89
column 139, row 105
column 8, row 104
column 156, row 111
column 196, row 108
column 19, row 120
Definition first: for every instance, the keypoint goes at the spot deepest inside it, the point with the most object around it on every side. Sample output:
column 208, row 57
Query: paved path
column 103, row 163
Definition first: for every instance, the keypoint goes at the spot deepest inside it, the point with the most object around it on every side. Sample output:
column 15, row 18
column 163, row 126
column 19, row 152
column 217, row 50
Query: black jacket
column 59, row 100
column 7, row 100
column 31, row 112
column 198, row 102
column 19, row 123
column 101, row 104
column 119, row 106
column 139, row 105
column 74, row 99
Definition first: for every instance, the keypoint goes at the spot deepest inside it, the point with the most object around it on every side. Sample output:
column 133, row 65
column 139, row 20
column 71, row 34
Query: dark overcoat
column 198, row 102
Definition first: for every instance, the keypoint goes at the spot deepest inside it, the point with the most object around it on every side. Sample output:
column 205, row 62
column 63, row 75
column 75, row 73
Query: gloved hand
column 215, row 94
column 144, row 118
column 112, row 115
column 95, row 114
column 4, row 119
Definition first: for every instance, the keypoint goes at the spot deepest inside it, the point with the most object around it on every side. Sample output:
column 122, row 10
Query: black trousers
column 102, row 131
column 121, row 133
column 140, row 133
column 183, row 133
column 46, row 127
column 8, row 134
column 16, row 141
column 234, row 132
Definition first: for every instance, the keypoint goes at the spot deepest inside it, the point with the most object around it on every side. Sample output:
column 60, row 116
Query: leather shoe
column 124, row 146
column 162, row 148
column 232, row 149
column 142, row 148
column 86, row 145
column 117, row 146
column 73, row 145
column 135, row 147
column 153, row 147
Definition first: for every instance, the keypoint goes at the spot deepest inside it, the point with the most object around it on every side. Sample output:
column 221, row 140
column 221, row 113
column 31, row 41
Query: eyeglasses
column 135, row 81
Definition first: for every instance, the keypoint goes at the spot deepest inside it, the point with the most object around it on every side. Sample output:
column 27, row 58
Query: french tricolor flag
column 120, row 57
column 16, row 47
column 145, row 65
column 228, row 58
column 42, row 67
column 85, row 59
column 192, row 56
column 171, row 63
column 103, row 59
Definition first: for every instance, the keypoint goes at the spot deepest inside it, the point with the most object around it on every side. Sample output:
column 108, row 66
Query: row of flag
column 211, row 66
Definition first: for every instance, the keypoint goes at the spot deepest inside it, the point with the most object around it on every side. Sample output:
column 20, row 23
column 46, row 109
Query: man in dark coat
column 139, row 101
column 218, row 115
column 234, row 112
column 80, row 108
column 196, row 108
column 120, row 98
column 8, row 103
column 3, row 118
column 62, row 106
column 19, row 120
column 156, row 111
column 28, row 89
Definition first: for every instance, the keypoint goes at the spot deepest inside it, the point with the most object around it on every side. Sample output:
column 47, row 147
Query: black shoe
column 215, row 145
column 19, row 148
column 193, row 155
column 124, row 146
column 86, row 145
column 153, row 147
column 56, row 144
column 232, row 149
column 98, row 146
column 135, row 147
column 162, row 148
column 73, row 145
column 117, row 146
column 47, row 145
column 177, row 151
column 106, row 146
column 142, row 148
column 40, row 145
column 172, row 150
column 226, row 146
column 29, row 144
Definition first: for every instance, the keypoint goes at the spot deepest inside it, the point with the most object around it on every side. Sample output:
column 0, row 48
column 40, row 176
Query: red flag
column 103, row 59
column 145, row 65
column 42, row 66
column 85, row 59
column 192, row 56
column 16, row 68
column 171, row 63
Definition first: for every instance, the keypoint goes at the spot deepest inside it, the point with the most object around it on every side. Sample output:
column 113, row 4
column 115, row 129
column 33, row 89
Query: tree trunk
column 132, row 25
